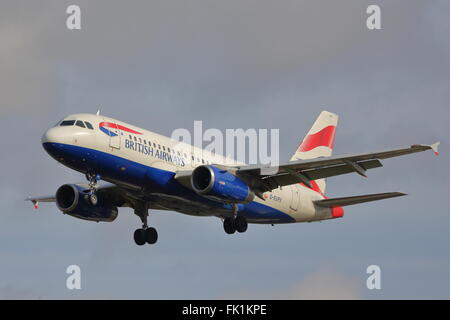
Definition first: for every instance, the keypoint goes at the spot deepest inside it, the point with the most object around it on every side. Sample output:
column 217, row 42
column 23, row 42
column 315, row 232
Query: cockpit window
column 67, row 123
column 80, row 124
column 88, row 125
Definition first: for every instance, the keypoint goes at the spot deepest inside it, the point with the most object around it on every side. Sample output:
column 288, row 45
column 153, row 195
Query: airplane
column 146, row 171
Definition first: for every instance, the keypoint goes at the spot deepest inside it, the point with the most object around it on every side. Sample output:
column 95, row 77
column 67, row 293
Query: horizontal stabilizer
column 347, row 201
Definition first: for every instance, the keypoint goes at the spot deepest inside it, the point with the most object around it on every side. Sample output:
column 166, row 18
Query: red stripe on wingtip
column 322, row 138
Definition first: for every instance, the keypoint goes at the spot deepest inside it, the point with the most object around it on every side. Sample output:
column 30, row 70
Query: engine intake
column 73, row 199
column 220, row 185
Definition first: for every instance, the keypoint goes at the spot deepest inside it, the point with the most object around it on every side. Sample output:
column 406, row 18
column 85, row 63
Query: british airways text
column 150, row 151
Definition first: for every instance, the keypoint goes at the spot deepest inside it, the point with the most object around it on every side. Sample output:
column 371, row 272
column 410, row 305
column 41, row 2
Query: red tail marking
column 336, row 212
column 324, row 137
column 315, row 187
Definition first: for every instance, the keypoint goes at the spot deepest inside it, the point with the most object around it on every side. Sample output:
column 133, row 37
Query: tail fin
column 319, row 141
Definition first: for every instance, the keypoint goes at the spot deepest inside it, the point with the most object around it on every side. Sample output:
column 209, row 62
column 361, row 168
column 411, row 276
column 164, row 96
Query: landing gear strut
column 93, row 179
column 146, row 234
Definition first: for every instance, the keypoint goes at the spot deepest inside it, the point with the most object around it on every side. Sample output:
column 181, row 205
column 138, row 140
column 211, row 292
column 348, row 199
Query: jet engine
column 73, row 199
column 220, row 185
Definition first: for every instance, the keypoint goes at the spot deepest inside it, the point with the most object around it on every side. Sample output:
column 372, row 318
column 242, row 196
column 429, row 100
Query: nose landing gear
column 93, row 179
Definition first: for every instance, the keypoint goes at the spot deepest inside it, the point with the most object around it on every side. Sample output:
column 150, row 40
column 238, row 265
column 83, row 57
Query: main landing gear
column 146, row 234
column 233, row 224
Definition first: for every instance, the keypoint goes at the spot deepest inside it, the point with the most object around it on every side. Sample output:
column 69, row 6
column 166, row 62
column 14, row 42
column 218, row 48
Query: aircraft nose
column 53, row 142
column 53, row 135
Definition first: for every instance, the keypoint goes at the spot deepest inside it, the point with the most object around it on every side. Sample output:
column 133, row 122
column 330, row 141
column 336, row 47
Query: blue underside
column 152, row 180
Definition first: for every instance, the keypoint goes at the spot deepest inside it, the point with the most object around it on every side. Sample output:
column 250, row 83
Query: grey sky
column 251, row 64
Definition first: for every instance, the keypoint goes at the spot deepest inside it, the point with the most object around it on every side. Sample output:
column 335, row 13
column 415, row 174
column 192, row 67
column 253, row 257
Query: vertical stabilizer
column 319, row 141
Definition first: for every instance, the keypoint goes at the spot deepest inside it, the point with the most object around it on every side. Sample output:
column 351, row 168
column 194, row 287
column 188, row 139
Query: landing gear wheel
column 93, row 199
column 151, row 235
column 140, row 237
column 241, row 224
column 229, row 225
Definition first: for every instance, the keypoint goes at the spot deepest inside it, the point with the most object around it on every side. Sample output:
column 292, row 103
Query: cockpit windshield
column 79, row 123
column 67, row 123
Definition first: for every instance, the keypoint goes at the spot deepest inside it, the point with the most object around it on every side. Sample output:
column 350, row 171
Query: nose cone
column 53, row 141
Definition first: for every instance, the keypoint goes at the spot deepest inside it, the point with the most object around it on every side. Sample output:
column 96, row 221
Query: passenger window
column 168, row 149
column 203, row 161
column 145, row 141
column 159, row 146
column 67, row 123
column 80, row 124
column 89, row 125
column 154, row 145
column 135, row 139
column 131, row 138
column 164, row 148
column 192, row 158
column 140, row 140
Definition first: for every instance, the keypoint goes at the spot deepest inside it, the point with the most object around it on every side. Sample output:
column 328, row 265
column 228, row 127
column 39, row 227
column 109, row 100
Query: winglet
column 434, row 147
column 34, row 202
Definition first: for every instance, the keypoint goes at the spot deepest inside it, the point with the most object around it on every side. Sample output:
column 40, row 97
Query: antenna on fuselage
column 98, row 112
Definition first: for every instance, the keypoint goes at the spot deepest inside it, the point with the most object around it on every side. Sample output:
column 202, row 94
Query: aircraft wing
column 108, row 189
column 264, row 179
column 37, row 200
column 347, row 201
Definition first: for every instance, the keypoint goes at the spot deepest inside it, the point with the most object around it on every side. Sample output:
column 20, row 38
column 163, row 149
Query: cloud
column 324, row 284
column 10, row 292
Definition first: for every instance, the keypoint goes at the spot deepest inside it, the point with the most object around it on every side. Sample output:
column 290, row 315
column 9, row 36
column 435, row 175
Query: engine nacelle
column 73, row 199
column 220, row 185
